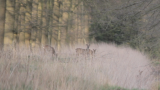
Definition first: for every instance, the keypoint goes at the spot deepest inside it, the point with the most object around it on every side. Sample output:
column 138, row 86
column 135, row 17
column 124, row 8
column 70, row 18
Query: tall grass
column 112, row 66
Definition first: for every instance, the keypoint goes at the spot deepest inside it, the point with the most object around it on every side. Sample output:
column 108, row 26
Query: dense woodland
column 38, row 22
column 33, row 23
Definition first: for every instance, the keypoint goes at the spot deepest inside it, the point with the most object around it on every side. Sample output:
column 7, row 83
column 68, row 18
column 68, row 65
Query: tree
column 2, row 21
column 39, row 31
column 52, row 38
column 28, row 23
column 118, row 31
column 68, row 26
column 57, row 20
column 59, row 27
column 22, row 23
column 44, row 23
column 34, row 22
column 16, row 22
column 9, row 22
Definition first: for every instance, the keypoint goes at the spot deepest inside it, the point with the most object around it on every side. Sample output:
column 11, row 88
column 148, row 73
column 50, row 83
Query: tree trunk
column 2, row 21
column 34, row 20
column 39, row 32
column 9, row 24
column 16, row 23
column 48, row 16
column 44, row 21
column 22, row 24
column 59, row 27
column 69, row 25
column 52, row 41
column 28, row 23
column 55, row 17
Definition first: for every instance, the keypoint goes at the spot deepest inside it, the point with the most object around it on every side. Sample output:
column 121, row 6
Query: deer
column 91, row 52
column 80, row 51
column 49, row 49
column 87, row 51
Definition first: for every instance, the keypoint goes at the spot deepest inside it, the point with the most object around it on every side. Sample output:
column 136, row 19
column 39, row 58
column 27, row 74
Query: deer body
column 49, row 49
column 91, row 52
column 87, row 51
column 80, row 51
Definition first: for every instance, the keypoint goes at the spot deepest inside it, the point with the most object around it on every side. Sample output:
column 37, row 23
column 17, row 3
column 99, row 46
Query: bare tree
column 44, row 39
column 21, row 26
column 39, row 31
column 2, row 21
column 28, row 23
column 9, row 22
column 34, row 22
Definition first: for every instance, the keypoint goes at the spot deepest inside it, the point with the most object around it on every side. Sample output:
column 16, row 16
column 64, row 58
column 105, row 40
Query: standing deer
column 86, row 52
column 92, row 52
column 49, row 49
column 80, row 51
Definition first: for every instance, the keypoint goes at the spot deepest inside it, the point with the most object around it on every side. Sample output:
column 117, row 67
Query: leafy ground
column 112, row 68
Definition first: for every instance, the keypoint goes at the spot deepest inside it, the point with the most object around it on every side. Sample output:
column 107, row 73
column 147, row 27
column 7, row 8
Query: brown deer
column 80, row 51
column 49, row 49
column 91, row 52
column 86, row 52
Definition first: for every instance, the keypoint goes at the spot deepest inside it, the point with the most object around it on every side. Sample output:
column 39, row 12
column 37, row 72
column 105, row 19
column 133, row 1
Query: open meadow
column 111, row 68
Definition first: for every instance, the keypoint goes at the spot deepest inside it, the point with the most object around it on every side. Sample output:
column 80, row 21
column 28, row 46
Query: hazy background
column 125, row 34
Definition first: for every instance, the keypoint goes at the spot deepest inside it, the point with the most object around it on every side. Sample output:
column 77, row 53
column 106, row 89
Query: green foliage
column 107, row 87
column 126, row 23
column 119, row 30
column 148, row 44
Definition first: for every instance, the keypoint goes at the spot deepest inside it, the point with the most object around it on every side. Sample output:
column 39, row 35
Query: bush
column 120, row 30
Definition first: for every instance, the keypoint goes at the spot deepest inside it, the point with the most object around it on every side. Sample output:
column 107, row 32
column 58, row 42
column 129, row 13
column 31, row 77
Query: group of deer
column 85, row 52
column 79, row 51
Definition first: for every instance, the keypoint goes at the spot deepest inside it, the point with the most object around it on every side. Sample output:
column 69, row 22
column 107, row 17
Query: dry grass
column 119, row 66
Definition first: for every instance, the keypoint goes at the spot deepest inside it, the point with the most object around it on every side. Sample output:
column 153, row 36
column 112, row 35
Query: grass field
column 112, row 68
